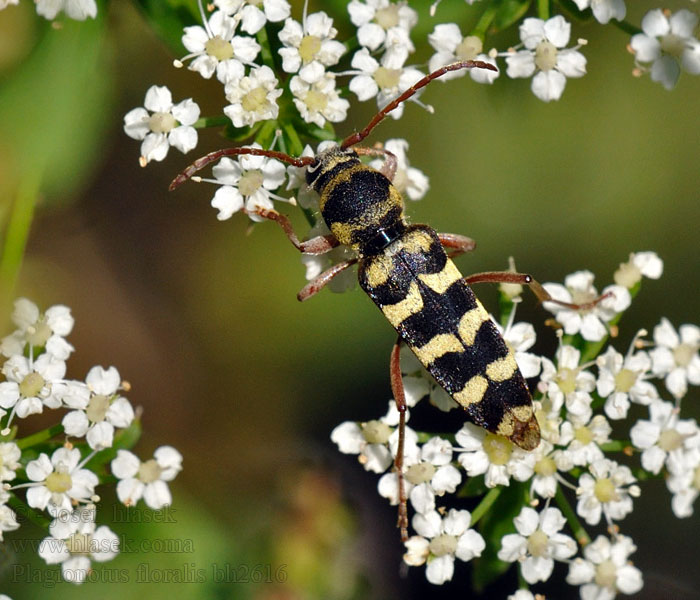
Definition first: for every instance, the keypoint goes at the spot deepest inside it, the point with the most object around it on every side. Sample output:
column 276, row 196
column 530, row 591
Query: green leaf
column 509, row 12
column 169, row 17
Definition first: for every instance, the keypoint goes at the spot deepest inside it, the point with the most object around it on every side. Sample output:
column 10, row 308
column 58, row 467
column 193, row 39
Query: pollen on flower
column 537, row 543
column 218, row 48
column 545, row 56
column 309, row 48
column 604, row 490
column 387, row 78
column 31, row 385
column 58, row 482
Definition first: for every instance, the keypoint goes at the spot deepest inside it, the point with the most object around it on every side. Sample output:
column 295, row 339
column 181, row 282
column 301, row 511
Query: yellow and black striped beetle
column 409, row 275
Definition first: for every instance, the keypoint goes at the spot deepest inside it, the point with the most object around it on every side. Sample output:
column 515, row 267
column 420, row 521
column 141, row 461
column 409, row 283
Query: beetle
column 409, row 275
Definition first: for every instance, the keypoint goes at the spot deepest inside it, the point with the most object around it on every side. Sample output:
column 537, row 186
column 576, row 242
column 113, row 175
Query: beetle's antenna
column 357, row 137
column 200, row 163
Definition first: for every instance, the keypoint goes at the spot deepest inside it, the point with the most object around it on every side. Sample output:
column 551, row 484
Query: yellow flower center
column 219, row 48
column 628, row 275
column 696, row 479
column 624, row 380
column 583, row 435
column 566, row 380
column 443, row 544
column 79, row 543
column 316, row 101
column 250, row 182
column 672, row 44
column 97, row 408
column 604, row 490
column 545, row 467
column 537, row 543
column 309, row 48
column 31, row 385
column 420, row 473
column 39, row 333
column 149, row 471
column 670, row 440
column 606, row 574
column 387, row 17
column 58, row 483
column 469, row 47
column 254, row 100
column 497, row 448
column 546, row 58
column 376, row 432
column 387, row 79
column 684, row 354
column 161, row 122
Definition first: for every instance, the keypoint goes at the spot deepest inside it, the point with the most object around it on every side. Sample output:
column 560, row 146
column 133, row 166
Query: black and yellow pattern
column 407, row 273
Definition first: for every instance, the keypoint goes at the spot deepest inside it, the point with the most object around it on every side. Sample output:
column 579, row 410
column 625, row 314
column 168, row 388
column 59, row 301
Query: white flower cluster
column 574, row 406
column 59, row 480
column 50, row 9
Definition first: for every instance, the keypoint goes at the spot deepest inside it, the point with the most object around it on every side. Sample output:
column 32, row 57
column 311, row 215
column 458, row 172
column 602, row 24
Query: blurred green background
column 245, row 381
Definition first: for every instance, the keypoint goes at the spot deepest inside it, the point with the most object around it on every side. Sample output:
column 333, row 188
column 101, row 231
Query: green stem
column 485, row 20
column 616, row 446
column 626, row 27
column 265, row 51
column 579, row 532
column 39, row 437
column 217, row 121
column 295, row 145
column 15, row 239
column 543, row 9
column 485, row 504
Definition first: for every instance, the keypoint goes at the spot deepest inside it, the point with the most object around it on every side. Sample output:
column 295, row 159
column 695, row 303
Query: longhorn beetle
column 407, row 273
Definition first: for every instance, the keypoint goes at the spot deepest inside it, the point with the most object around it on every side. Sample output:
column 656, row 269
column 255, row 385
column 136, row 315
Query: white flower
column 449, row 538
column 623, row 379
column 520, row 337
column 74, row 541
column 604, row 10
column 668, row 43
column 146, row 479
column 319, row 102
column 246, row 182
column 606, row 569
column 215, row 48
column 381, row 22
column 253, row 18
column 538, row 543
column 253, row 98
column 578, row 289
column 428, row 472
column 663, row 435
column 9, row 460
column 676, row 356
column 546, row 462
column 546, row 55
column 166, row 124
column 75, row 9
column 451, row 46
column 100, row 410
column 608, row 489
column 584, row 438
column 411, row 182
column 59, row 481
column 31, row 384
column 8, row 520
column 46, row 330
column 370, row 441
column 568, row 383
column 684, row 481
column 488, row 454
column 640, row 264
column 385, row 80
column 309, row 47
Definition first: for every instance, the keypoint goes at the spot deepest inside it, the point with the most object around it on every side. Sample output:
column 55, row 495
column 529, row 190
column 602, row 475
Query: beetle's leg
column 537, row 289
column 317, row 245
column 390, row 162
column 318, row 283
column 459, row 243
column 400, row 399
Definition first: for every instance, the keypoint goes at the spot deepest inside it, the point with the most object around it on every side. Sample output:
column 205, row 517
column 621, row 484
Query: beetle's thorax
column 361, row 207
